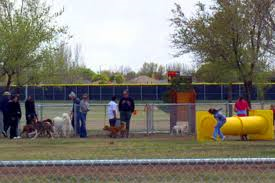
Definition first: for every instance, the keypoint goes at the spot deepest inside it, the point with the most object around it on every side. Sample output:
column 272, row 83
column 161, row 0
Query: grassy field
column 158, row 146
column 138, row 147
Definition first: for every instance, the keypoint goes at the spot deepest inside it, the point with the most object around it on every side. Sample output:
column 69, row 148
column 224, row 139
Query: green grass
column 157, row 146
column 146, row 147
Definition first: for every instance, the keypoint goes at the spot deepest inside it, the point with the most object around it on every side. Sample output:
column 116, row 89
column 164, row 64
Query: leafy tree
column 238, row 33
column 27, row 28
column 119, row 78
column 101, row 78
column 152, row 70
column 216, row 73
column 130, row 75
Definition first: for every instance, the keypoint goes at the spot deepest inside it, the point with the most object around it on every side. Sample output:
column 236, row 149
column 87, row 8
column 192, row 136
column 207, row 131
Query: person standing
column 75, row 112
column 221, row 120
column 3, row 112
column 14, row 116
column 30, row 110
column 112, row 111
column 84, row 109
column 126, row 108
column 241, row 108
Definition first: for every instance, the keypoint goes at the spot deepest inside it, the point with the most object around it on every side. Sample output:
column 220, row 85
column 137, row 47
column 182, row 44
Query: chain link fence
column 153, row 153
column 143, row 170
column 148, row 118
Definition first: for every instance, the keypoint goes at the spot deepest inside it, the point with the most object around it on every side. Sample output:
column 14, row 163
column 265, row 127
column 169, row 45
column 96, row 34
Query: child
column 221, row 120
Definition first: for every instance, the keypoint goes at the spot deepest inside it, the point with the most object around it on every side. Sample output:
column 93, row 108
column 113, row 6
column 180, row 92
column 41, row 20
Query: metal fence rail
column 140, row 170
column 136, row 162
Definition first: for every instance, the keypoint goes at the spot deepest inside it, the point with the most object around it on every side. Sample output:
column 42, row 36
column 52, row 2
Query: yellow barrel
column 244, row 125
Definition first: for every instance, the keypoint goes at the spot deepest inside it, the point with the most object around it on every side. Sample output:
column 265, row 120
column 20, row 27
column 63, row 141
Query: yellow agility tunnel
column 258, row 125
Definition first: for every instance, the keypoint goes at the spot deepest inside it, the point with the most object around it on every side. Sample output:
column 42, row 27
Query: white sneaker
column 14, row 138
column 18, row 137
column 223, row 138
column 213, row 138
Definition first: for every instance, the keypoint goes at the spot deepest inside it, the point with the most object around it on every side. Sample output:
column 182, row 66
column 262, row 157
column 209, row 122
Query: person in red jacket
column 241, row 108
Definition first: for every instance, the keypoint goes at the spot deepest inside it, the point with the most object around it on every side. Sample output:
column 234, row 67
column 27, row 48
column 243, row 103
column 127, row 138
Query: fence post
column 152, row 118
column 141, row 93
column 76, row 117
column 147, row 118
column 157, row 96
column 41, row 112
column 100, row 94
column 204, row 94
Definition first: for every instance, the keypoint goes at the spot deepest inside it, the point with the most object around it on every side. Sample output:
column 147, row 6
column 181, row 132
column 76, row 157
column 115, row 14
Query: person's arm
column 235, row 108
column 248, row 108
column 19, row 110
column 114, row 110
column 119, row 104
column 26, row 107
column 133, row 105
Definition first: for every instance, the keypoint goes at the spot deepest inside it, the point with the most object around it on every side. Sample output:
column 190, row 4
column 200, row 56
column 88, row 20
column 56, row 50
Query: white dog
column 62, row 125
column 181, row 127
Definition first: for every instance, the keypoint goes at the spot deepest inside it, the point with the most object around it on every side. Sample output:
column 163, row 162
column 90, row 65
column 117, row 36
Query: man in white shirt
column 112, row 111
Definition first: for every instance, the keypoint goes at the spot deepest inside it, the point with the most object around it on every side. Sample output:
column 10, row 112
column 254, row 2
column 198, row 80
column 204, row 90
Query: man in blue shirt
column 3, row 113
column 75, row 112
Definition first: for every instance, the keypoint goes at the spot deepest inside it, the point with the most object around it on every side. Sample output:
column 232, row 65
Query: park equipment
column 258, row 125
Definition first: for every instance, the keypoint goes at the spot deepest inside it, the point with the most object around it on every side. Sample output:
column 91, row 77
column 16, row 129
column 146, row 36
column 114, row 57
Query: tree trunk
column 8, row 85
column 248, row 90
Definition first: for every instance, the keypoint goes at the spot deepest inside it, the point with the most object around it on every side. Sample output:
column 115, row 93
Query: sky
column 114, row 33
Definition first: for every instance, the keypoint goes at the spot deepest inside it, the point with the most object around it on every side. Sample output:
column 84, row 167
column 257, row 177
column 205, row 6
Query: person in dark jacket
column 126, row 108
column 75, row 113
column 30, row 110
column 3, row 112
column 14, row 115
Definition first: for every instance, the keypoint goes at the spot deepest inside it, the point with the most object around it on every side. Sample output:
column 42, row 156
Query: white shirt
column 112, row 106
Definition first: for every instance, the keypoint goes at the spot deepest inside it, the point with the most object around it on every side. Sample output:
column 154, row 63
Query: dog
column 39, row 128
column 30, row 128
column 115, row 131
column 180, row 128
column 62, row 125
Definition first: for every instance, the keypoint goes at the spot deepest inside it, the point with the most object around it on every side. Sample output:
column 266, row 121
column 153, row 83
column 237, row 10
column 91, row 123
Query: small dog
column 181, row 127
column 115, row 131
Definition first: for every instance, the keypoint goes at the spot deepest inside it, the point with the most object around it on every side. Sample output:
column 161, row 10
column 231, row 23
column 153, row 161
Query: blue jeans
column 77, row 122
column 83, row 131
column 217, row 130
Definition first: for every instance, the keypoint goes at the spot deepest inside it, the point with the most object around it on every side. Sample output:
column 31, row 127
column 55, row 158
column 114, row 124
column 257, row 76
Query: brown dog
column 115, row 131
column 39, row 128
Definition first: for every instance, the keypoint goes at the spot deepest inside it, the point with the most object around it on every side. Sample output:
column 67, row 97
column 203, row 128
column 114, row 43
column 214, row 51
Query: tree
column 101, row 78
column 238, row 33
column 214, row 72
column 130, row 75
column 27, row 28
column 152, row 70
column 119, row 78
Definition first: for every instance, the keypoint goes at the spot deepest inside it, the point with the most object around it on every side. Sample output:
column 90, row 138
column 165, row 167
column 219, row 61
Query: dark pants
column 125, row 116
column 6, row 122
column 112, row 122
column 83, row 130
column 14, row 127
column 30, row 117
column 77, row 123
